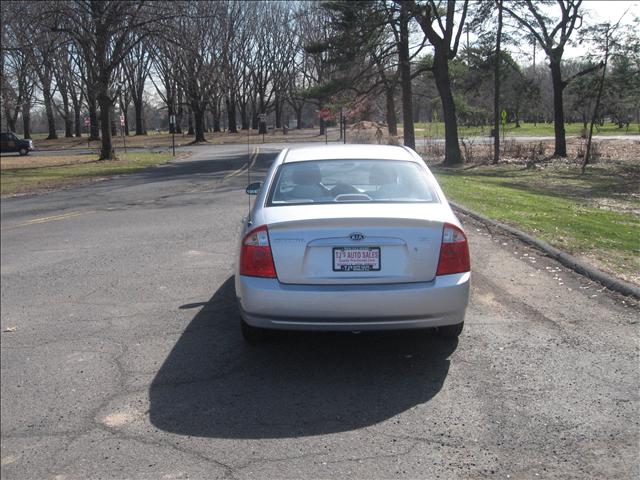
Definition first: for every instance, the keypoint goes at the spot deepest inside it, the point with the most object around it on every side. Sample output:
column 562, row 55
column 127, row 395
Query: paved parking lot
column 127, row 360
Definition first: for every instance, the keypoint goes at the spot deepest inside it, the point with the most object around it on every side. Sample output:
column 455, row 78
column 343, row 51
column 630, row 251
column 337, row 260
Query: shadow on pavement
column 214, row 385
column 213, row 167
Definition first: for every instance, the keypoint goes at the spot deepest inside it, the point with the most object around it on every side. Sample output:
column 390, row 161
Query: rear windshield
column 331, row 181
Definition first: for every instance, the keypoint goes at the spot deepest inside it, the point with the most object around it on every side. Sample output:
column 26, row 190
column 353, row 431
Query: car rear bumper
column 267, row 303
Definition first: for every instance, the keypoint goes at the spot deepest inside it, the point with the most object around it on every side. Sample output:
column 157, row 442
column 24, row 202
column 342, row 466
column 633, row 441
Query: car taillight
column 255, row 256
column 454, row 251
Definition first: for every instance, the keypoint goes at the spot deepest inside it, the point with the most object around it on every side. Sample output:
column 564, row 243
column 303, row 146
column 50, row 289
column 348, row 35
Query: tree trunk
column 244, row 117
column 587, row 152
column 558, row 109
column 190, row 130
column 216, row 116
column 48, row 106
column 93, row 118
column 125, row 111
column 68, row 126
column 254, row 115
column 139, row 108
column 298, row 118
column 278, row 112
column 198, row 114
column 26, row 119
column 392, row 119
column 405, row 79
column 77, row 120
column 179, row 113
column 11, row 122
column 496, row 90
column 106, row 150
column 443, row 83
column 231, row 114
column 114, row 122
column 68, row 120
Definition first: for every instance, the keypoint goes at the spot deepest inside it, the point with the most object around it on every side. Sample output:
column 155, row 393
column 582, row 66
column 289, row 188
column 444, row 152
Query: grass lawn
column 436, row 129
column 32, row 173
column 596, row 215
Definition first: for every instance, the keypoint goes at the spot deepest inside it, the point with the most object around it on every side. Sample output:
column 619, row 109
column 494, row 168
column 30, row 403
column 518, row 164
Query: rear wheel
column 451, row 331
column 24, row 151
column 253, row 334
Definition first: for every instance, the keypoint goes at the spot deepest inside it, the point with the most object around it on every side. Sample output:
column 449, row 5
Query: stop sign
column 325, row 114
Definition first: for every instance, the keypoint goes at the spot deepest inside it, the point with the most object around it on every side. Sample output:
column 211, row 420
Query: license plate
column 356, row 259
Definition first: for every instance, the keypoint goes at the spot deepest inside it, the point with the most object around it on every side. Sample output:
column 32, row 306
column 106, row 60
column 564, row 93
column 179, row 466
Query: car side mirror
column 253, row 188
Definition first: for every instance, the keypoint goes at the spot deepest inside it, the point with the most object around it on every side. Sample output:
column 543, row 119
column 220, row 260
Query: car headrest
column 307, row 174
column 383, row 175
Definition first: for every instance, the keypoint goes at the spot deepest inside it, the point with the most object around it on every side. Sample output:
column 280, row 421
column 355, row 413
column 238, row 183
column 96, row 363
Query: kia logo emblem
column 356, row 236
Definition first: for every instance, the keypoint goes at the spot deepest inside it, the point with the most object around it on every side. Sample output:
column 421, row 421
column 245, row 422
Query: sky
column 602, row 11
column 612, row 10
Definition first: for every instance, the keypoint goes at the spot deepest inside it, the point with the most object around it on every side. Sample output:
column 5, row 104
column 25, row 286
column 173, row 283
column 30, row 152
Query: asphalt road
column 127, row 360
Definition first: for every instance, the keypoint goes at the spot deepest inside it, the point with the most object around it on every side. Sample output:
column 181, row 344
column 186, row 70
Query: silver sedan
column 351, row 238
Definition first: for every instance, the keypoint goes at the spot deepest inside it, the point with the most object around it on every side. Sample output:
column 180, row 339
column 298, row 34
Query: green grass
column 591, row 215
column 436, row 129
column 22, row 180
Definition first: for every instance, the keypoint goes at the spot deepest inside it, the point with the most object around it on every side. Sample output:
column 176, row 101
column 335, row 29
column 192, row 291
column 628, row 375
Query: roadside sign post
column 325, row 114
column 124, row 143
column 263, row 120
column 343, row 134
column 172, row 123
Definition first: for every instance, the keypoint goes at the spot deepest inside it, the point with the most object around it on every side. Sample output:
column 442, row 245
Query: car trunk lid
column 359, row 244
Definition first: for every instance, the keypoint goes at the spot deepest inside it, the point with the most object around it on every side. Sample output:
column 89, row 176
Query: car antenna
column 249, row 170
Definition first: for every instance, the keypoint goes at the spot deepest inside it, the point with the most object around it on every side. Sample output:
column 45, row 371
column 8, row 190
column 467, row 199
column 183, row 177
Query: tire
column 253, row 334
column 23, row 151
column 451, row 331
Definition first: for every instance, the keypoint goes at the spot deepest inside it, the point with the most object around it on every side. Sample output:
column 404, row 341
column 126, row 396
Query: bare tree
column 164, row 57
column 69, row 86
column 445, row 38
column 136, row 67
column 198, row 62
column 42, row 45
column 552, row 35
column 17, row 67
column 104, row 34
column 609, row 33
column 10, row 71
column 496, row 90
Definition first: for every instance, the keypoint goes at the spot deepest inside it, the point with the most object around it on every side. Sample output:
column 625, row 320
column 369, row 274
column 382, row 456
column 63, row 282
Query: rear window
column 361, row 181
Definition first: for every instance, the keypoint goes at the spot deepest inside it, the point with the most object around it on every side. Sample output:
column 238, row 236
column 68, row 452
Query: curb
column 567, row 260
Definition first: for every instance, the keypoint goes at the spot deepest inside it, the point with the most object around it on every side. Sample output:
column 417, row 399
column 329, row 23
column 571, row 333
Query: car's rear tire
column 253, row 334
column 451, row 331
column 24, row 151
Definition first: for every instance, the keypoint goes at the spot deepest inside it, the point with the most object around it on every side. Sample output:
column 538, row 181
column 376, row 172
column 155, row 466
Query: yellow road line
column 244, row 168
column 51, row 218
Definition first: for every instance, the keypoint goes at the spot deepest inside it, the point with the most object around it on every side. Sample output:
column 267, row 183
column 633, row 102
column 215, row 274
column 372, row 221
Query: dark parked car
column 10, row 142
